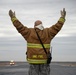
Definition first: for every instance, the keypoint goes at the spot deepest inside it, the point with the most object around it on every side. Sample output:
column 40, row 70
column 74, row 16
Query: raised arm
column 19, row 26
column 57, row 27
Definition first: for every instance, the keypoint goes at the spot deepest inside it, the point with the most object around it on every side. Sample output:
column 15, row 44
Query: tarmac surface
column 22, row 69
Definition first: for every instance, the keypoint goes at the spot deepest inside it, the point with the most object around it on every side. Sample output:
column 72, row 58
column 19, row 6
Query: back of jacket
column 35, row 52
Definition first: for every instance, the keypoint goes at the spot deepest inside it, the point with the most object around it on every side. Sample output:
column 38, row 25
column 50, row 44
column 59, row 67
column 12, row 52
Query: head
column 38, row 24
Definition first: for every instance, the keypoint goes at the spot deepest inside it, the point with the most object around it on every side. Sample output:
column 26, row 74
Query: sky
column 12, row 44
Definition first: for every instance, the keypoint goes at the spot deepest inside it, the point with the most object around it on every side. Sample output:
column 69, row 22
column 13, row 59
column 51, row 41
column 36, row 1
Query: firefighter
column 36, row 57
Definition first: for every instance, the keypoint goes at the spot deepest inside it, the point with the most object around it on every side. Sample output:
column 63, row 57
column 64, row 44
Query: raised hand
column 11, row 13
column 63, row 13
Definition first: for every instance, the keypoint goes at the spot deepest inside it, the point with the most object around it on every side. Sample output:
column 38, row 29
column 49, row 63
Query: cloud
column 28, row 11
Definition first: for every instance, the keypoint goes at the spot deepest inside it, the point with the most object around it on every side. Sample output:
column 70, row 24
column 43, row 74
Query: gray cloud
column 27, row 11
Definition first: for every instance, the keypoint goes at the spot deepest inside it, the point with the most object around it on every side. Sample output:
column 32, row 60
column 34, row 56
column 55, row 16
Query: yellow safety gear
column 31, row 45
column 62, row 19
column 33, row 61
column 37, row 56
column 13, row 19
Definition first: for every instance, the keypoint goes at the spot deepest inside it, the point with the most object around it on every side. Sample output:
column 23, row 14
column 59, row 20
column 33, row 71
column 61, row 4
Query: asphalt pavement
column 22, row 69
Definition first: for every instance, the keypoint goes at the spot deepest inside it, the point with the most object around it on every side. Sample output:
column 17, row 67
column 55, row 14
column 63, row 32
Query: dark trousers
column 39, row 69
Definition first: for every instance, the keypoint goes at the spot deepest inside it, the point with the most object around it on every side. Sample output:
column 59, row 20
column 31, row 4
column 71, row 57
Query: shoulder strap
column 41, row 42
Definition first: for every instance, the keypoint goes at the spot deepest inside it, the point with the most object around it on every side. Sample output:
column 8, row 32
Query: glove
column 11, row 13
column 63, row 13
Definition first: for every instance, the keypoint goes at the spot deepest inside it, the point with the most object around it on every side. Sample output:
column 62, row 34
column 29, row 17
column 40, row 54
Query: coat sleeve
column 53, row 30
column 23, row 30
